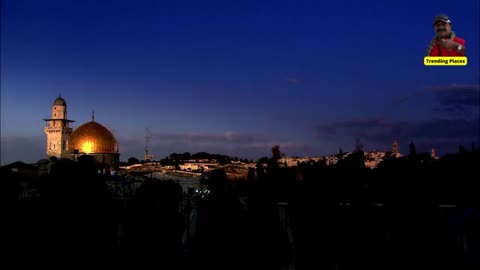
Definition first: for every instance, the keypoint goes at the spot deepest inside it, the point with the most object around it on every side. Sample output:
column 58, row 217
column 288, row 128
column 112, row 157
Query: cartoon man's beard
column 441, row 32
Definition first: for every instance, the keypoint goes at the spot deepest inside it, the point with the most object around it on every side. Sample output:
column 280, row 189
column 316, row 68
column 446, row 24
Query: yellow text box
column 445, row 61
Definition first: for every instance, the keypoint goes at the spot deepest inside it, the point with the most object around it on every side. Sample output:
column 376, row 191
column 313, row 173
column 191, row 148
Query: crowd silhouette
column 414, row 212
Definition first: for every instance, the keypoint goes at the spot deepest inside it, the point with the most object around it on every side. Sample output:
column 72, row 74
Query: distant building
column 90, row 138
column 395, row 151
column 371, row 158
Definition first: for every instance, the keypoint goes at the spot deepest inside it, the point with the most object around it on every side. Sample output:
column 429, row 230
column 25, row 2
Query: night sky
column 237, row 77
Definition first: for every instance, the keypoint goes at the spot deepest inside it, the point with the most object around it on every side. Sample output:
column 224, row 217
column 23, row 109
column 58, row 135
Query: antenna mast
column 147, row 140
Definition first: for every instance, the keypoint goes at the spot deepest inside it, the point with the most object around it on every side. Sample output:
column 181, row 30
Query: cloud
column 243, row 145
column 443, row 134
column 374, row 129
column 200, row 138
column 293, row 80
column 405, row 98
column 453, row 87
column 22, row 148
column 456, row 96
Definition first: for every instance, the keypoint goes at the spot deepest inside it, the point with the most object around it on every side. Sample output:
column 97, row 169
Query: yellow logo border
column 445, row 61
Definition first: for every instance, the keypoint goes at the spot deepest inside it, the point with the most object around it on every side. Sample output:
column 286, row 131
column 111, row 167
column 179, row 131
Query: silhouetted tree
column 340, row 153
column 412, row 151
column 174, row 156
column 461, row 149
column 262, row 160
column 186, row 156
column 251, row 174
column 276, row 154
column 122, row 163
column 202, row 155
column 358, row 145
column 222, row 161
column 132, row 161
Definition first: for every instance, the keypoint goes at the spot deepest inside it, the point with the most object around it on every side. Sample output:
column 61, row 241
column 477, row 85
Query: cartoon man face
column 443, row 29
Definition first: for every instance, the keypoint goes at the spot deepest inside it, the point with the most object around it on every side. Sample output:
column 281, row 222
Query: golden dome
column 93, row 138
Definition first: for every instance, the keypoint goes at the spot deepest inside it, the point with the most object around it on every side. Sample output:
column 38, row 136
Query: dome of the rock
column 93, row 138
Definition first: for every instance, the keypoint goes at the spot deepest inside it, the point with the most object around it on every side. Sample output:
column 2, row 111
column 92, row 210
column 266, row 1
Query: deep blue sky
column 237, row 77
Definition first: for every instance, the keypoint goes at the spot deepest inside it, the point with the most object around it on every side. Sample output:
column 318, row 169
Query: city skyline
column 237, row 79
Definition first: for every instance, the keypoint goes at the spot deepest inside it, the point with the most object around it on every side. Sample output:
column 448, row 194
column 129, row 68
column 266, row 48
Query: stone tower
column 395, row 148
column 58, row 130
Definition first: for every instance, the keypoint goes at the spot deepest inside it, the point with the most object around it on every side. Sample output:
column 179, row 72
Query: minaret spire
column 58, row 130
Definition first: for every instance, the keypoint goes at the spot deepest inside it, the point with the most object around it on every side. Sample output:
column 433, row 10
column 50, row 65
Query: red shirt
column 439, row 50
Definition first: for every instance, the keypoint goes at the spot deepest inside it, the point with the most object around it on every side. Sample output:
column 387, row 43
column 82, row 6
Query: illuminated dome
column 60, row 102
column 93, row 138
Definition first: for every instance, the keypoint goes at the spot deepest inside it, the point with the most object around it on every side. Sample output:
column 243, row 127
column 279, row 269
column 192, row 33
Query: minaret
column 58, row 130
column 395, row 148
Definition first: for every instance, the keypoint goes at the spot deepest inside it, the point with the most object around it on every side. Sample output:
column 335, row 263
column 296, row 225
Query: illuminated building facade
column 58, row 130
column 90, row 138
